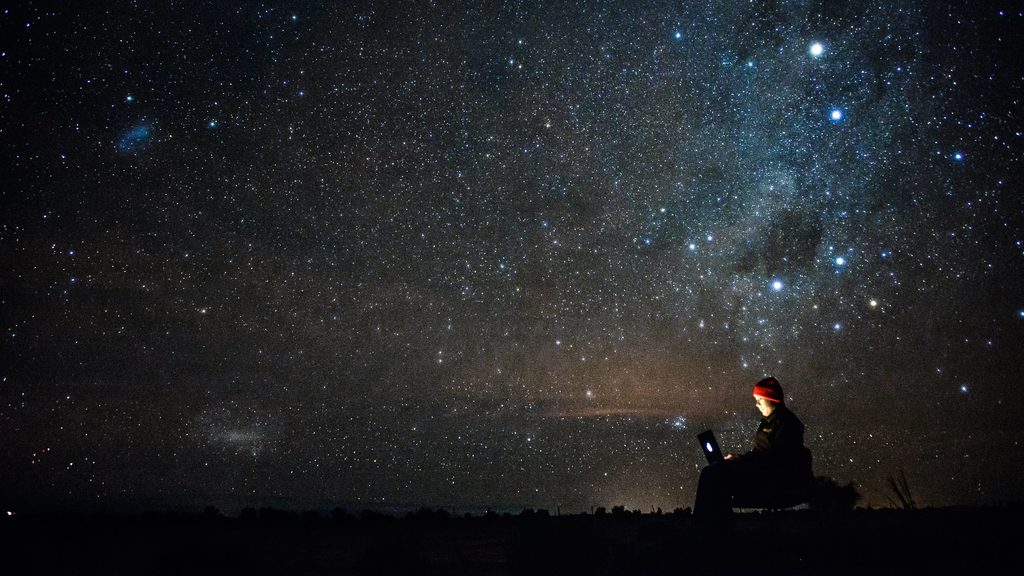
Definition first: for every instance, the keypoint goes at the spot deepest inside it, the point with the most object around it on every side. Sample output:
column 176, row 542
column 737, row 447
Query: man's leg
column 755, row 486
column 714, row 490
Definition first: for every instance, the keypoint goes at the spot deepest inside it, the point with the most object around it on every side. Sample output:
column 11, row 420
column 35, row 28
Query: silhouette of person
column 777, row 471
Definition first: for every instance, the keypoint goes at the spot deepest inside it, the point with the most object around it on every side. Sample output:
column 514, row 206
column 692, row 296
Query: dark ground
column 943, row 541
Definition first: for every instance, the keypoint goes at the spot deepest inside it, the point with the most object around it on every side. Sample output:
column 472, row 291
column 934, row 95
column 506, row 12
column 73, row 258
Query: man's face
column 764, row 405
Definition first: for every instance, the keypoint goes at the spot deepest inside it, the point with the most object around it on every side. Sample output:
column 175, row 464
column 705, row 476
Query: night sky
column 384, row 255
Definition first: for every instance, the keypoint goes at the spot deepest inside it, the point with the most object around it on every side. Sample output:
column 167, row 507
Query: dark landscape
column 268, row 541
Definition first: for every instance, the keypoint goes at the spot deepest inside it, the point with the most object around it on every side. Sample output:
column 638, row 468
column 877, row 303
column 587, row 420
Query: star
column 816, row 49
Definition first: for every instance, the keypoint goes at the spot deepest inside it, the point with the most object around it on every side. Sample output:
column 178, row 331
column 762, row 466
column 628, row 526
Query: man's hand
column 730, row 456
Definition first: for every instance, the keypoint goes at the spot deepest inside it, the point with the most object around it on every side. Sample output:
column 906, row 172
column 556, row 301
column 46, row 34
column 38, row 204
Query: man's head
column 768, row 395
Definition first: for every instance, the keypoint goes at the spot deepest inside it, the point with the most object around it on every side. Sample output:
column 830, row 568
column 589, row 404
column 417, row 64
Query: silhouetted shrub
column 271, row 514
column 531, row 513
column 341, row 515
column 429, row 514
column 373, row 517
column 828, row 496
column 901, row 490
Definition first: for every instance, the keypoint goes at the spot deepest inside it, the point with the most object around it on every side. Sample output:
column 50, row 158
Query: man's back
column 779, row 443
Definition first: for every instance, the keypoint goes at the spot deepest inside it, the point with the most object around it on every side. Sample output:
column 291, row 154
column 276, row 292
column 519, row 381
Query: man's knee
column 708, row 471
column 714, row 472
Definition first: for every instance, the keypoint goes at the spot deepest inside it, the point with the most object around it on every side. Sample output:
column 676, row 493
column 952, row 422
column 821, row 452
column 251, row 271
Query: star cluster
column 311, row 254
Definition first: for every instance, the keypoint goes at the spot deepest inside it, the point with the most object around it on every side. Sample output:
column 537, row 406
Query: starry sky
column 386, row 254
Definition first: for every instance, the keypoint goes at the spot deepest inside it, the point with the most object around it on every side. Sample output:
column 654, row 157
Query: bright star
column 840, row 261
column 963, row 388
column 777, row 285
column 837, row 326
column 836, row 115
column 817, row 49
column 958, row 156
column 678, row 35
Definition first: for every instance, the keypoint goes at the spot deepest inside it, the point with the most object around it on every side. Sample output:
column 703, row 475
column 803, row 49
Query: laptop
column 709, row 445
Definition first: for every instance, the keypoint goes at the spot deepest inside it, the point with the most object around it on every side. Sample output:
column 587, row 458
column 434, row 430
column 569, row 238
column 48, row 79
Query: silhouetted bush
column 373, row 517
column 901, row 490
column 341, row 515
column 271, row 514
column 429, row 514
column 531, row 513
column 828, row 496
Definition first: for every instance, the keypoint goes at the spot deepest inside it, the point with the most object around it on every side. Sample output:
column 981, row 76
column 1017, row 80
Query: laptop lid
column 709, row 445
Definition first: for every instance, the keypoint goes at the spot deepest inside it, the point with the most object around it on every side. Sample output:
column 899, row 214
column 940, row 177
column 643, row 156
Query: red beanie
column 769, row 389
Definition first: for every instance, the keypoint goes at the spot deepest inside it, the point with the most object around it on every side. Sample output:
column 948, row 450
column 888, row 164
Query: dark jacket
column 779, row 445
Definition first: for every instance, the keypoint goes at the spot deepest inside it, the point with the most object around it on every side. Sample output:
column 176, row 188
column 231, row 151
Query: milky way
column 378, row 255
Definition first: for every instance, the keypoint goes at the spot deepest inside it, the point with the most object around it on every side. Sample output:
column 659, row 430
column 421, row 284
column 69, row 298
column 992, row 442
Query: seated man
column 776, row 472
